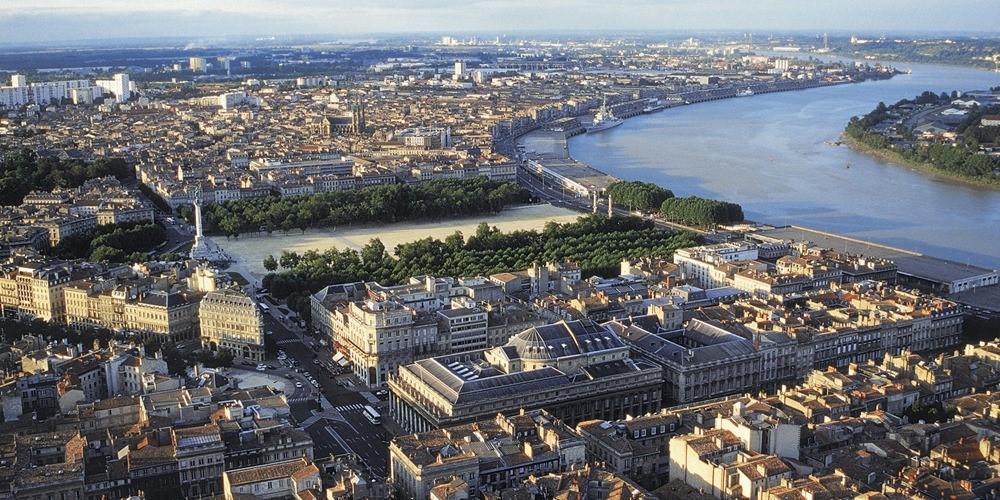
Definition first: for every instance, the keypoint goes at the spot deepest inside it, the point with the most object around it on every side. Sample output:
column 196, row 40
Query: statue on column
column 203, row 248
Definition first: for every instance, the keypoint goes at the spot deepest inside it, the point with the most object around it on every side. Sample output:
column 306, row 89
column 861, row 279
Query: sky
column 55, row 20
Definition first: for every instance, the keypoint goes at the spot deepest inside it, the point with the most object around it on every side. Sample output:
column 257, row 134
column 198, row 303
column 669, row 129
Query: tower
column 122, row 89
column 826, row 41
column 358, row 118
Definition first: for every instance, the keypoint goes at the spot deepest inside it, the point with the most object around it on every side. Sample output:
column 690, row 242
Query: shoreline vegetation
column 885, row 134
column 897, row 158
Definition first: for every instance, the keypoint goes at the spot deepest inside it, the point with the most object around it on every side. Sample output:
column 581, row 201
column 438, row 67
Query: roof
column 564, row 339
column 268, row 472
column 699, row 342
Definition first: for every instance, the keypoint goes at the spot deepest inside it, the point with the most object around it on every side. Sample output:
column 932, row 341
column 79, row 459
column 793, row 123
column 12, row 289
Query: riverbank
column 890, row 156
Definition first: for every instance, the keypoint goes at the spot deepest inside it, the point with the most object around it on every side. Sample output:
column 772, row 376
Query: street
column 342, row 428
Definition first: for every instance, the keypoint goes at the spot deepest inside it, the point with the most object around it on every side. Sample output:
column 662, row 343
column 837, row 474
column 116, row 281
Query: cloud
column 72, row 19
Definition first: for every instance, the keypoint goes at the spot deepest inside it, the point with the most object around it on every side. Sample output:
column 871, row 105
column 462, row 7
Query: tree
column 595, row 242
column 455, row 241
column 288, row 259
column 230, row 226
column 270, row 264
column 373, row 252
column 701, row 211
column 638, row 195
column 381, row 203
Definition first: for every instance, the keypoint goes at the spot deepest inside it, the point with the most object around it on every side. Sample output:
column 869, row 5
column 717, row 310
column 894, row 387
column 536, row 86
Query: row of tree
column 595, row 242
column 637, row 195
column 22, row 171
column 113, row 243
column 383, row 203
column 696, row 211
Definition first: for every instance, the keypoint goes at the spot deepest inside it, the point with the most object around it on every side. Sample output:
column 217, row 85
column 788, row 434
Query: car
column 298, row 385
column 261, row 368
column 289, row 376
column 270, row 367
column 315, row 384
column 248, row 363
column 316, row 362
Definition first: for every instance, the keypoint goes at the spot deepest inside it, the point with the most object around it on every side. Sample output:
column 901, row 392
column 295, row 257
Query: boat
column 848, row 164
column 745, row 92
column 604, row 119
column 654, row 105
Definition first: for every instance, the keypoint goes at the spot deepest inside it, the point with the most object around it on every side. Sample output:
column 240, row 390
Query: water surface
column 774, row 155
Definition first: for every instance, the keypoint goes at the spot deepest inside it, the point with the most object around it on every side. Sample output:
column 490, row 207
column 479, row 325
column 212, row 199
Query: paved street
column 342, row 427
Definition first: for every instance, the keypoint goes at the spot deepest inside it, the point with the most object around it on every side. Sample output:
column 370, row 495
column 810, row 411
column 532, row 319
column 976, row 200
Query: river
column 773, row 154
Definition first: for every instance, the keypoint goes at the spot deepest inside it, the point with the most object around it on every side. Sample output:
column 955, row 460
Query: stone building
column 230, row 321
column 488, row 455
column 576, row 370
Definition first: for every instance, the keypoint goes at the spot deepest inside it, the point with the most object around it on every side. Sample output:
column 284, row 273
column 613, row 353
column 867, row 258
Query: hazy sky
column 41, row 20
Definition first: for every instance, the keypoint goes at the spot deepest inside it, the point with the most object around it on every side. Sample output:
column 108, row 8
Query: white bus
column 372, row 415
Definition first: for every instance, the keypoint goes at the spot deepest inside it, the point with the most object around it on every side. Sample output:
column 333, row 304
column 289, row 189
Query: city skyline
column 118, row 19
column 499, row 249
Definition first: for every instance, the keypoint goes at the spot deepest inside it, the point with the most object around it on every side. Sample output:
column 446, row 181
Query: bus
column 372, row 415
column 263, row 307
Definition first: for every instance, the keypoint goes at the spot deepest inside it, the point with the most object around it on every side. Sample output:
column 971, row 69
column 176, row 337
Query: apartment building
column 230, row 321
column 378, row 336
column 287, row 479
column 379, row 328
column 704, row 264
column 716, row 462
column 152, row 315
column 200, row 455
column 491, row 454
column 33, row 287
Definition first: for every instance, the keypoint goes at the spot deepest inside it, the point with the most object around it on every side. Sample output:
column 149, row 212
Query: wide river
column 772, row 154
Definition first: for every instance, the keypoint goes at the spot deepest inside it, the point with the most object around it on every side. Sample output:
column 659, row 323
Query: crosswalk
column 287, row 341
column 354, row 407
column 301, row 400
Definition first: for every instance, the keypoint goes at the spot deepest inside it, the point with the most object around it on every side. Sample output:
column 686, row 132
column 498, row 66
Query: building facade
column 230, row 321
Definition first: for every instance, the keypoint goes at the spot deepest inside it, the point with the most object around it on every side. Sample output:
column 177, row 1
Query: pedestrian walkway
column 301, row 400
column 354, row 407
